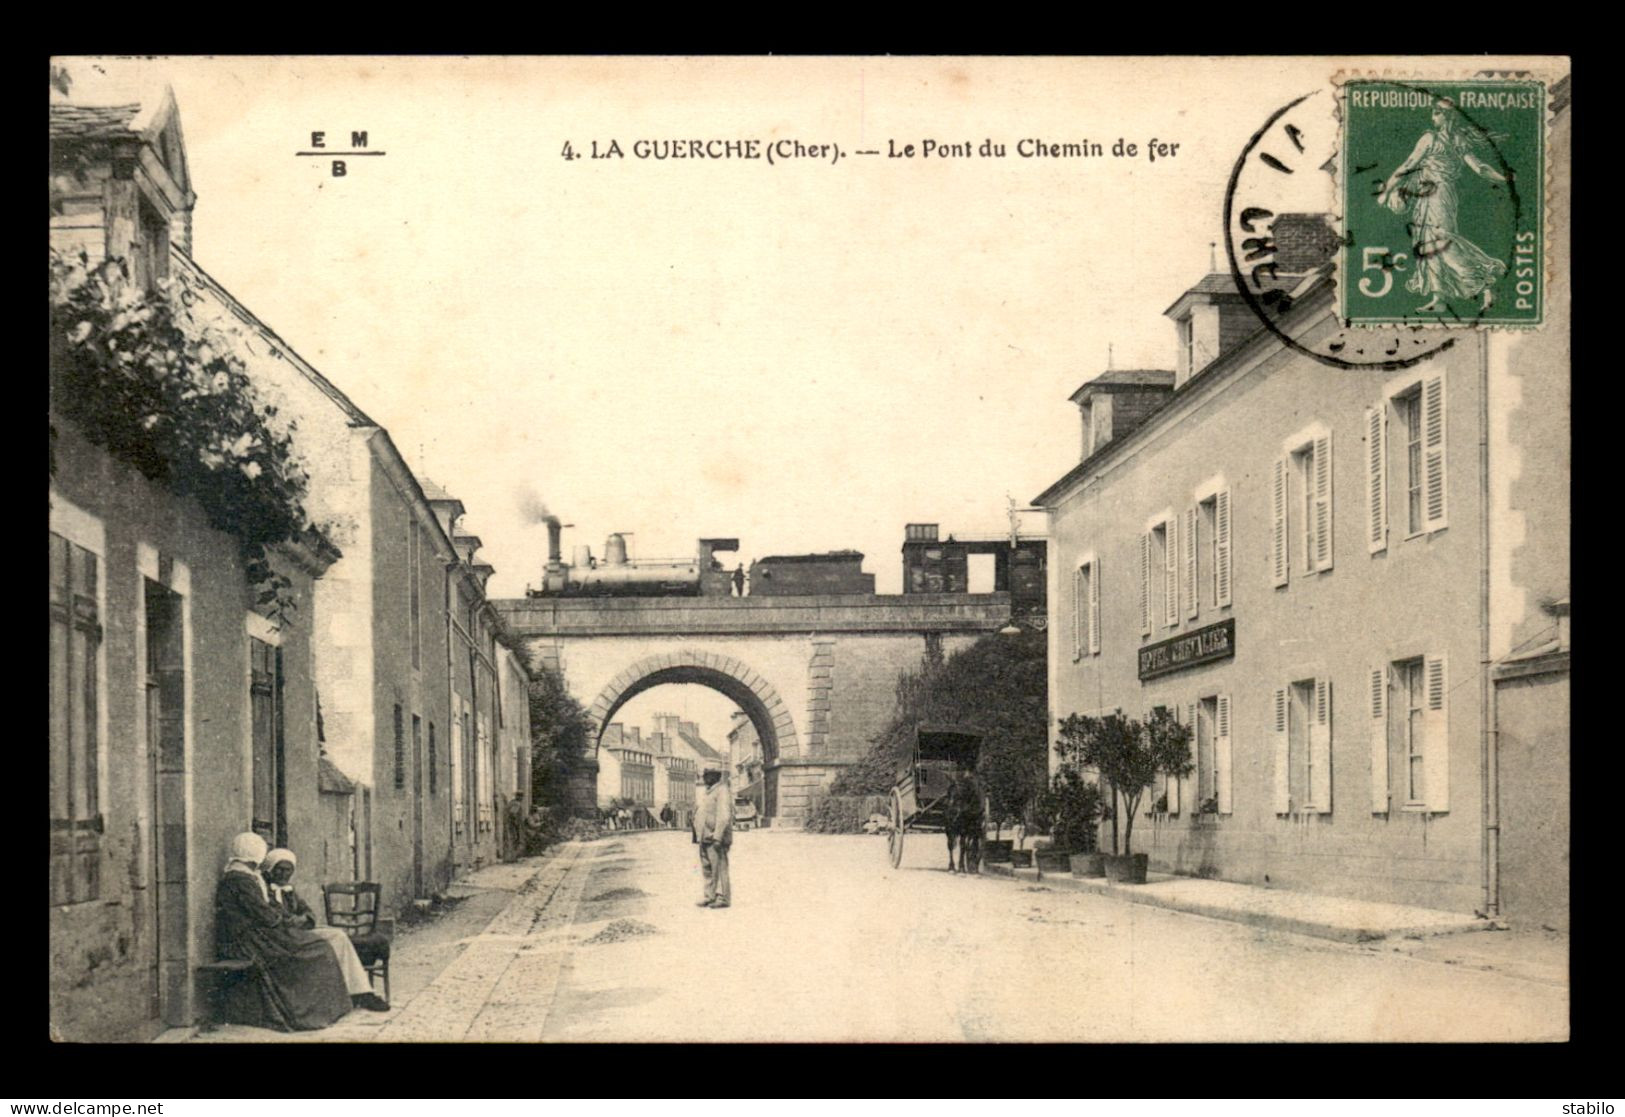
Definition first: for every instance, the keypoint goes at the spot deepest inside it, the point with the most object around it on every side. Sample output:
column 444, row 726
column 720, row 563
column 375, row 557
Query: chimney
column 1303, row 242
column 1119, row 400
column 1212, row 317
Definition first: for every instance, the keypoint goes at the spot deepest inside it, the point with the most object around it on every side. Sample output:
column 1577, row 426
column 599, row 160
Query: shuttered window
column 1222, row 753
column 1093, row 613
column 1322, row 503
column 1302, row 730
column 1170, row 571
column 459, row 733
column 1280, row 749
column 1086, row 607
column 1320, row 749
column 1376, row 449
column 1222, row 579
column 1378, row 707
column 482, row 772
column 265, row 705
column 1436, row 733
column 1419, row 408
column 1079, row 592
column 1410, row 739
column 1188, row 594
column 1279, row 564
column 75, row 705
column 1302, row 504
column 1145, row 583
column 1433, row 453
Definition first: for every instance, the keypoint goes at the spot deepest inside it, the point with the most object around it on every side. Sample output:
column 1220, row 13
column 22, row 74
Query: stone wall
column 109, row 972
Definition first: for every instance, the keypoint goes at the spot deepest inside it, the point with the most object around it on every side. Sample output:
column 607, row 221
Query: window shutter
column 1376, row 450
column 1278, row 552
column 1378, row 702
column 1278, row 738
column 1436, row 726
column 1170, row 572
column 1433, row 457
column 1192, row 784
column 1221, row 548
column 1077, row 612
column 1193, row 605
column 1320, row 747
column 1221, row 753
column 1323, row 502
column 1094, row 606
column 1145, row 583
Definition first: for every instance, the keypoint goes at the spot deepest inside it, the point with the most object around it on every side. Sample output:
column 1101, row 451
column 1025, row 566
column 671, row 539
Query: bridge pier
column 792, row 785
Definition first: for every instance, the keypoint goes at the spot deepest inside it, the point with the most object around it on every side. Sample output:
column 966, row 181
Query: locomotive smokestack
column 555, row 557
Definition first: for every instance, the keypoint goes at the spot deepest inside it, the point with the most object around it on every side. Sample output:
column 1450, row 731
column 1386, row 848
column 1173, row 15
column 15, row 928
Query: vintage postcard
column 852, row 549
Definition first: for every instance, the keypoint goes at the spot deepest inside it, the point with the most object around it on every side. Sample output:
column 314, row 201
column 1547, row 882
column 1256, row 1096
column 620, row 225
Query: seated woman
column 297, row 983
column 278, row 868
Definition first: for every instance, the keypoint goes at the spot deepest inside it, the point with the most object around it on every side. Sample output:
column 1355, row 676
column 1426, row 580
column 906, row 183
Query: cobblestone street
column 602, row 941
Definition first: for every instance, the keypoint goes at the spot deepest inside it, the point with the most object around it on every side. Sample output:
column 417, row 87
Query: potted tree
column 1010, row 775
column 1129, row 755
column 1070, row 807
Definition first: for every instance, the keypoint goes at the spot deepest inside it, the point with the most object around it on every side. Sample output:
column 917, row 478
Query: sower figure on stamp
column 713, row 827
column 1447, row 264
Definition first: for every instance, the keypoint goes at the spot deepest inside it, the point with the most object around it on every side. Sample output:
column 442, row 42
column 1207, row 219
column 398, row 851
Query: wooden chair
column 353, row 909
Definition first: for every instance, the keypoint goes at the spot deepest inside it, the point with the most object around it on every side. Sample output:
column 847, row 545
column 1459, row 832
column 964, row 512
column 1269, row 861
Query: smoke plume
column 533, row 508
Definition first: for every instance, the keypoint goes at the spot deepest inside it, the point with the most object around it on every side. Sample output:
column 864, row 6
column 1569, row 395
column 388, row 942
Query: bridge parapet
column 710, row 616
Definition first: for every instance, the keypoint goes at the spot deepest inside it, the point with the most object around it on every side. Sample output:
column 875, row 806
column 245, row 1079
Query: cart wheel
column 896, row 841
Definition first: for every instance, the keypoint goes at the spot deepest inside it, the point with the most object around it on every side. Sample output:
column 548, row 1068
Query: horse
column 963, row 823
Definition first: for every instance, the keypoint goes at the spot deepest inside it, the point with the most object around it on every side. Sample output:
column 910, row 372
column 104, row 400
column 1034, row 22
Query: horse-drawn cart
column 941, row 759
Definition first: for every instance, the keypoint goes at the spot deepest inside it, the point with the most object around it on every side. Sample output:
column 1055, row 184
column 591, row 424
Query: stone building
column 398, row 720
column 746, row 760
column 183, row 709
column 1333, row 577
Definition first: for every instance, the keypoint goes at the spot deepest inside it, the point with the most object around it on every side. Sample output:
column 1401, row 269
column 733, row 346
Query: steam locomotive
column 617, row 576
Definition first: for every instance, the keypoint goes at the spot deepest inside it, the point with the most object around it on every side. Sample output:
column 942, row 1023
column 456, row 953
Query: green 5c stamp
column 1443, row 203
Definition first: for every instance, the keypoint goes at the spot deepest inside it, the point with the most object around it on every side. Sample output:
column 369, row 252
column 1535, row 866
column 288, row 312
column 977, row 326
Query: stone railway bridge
column 816, row 675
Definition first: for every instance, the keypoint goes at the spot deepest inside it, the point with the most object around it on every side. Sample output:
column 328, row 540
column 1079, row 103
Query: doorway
column 167, row 911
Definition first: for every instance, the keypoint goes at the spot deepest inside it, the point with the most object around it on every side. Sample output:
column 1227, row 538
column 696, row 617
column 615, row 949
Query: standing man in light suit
column 714, row 827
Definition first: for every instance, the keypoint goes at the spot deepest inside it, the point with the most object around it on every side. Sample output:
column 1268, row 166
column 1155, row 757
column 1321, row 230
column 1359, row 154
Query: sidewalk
column 443, row 972
column 1303, row 913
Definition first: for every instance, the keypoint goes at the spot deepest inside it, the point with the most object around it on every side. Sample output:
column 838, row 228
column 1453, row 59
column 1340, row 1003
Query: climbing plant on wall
column 140, row 374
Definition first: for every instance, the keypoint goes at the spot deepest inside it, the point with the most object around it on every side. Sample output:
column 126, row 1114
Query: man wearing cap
column 714, row 828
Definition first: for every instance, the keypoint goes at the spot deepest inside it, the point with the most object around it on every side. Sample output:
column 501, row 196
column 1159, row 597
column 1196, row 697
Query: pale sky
column 802, row 355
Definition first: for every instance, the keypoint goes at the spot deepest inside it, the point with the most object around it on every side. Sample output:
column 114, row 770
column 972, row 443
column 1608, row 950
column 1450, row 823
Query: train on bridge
column 930, row 565
column 616, row 575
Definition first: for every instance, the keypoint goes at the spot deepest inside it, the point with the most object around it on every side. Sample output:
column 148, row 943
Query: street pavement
column 602, row 942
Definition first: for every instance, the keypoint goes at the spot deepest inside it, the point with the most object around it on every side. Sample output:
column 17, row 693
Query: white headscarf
column 247, row 851
column 272, row 860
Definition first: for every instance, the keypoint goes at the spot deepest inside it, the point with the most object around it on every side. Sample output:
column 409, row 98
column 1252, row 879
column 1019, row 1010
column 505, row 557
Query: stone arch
column 749, row 690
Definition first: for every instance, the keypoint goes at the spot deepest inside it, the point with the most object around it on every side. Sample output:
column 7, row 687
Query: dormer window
column 1187, row 347
column 150, row 265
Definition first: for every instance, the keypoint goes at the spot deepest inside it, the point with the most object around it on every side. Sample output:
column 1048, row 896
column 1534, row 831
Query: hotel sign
column 1205, row 645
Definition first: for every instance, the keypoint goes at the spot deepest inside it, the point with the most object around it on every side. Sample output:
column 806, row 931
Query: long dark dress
column 296, row 984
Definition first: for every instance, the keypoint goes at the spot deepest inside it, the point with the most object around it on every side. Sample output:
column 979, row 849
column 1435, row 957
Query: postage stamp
column 1442, row 199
